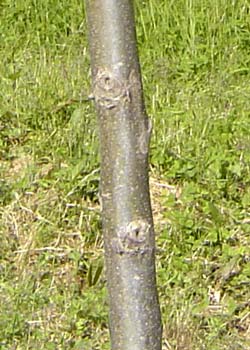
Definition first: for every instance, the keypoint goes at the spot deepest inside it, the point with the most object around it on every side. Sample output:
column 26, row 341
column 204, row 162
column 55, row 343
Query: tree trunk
column 124, row 128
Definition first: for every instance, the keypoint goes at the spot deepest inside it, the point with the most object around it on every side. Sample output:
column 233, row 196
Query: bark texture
column 124, row 128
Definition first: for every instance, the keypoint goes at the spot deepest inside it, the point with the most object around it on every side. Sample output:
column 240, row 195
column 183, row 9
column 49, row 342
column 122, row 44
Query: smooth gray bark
column 135, row 322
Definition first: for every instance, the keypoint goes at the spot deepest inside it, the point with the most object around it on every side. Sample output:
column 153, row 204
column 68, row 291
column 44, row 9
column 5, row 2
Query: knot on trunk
column 132, row 238
column 109, row 91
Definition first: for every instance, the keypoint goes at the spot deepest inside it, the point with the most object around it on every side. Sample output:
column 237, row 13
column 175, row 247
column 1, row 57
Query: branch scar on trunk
column 108, row 90
column 133, row 238
column 144, row 138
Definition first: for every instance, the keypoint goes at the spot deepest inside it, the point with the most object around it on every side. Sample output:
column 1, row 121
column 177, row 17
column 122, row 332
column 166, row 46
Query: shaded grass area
column 195, row 62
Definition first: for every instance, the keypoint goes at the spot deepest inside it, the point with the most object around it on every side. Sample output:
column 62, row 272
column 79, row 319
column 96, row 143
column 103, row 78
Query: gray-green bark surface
column 126, row 211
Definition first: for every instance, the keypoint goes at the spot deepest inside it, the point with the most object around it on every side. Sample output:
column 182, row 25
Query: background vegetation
column 195, row 60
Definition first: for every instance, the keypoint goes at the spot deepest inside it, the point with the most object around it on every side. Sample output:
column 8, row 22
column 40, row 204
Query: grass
column 195, row 61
